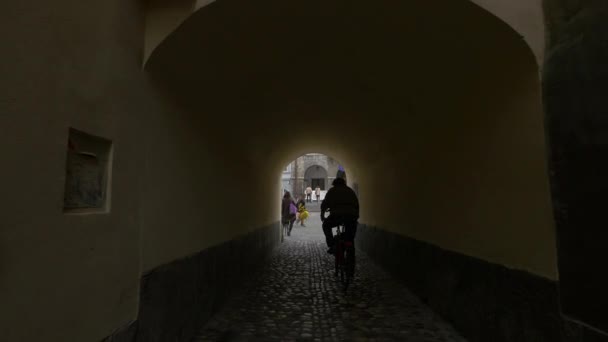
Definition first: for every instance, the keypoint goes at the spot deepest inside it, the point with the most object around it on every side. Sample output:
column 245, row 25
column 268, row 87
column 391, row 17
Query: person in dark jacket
column 287, row 217
column 343, row 206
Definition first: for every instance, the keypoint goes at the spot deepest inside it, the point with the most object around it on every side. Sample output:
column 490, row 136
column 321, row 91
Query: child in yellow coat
column 302, row 214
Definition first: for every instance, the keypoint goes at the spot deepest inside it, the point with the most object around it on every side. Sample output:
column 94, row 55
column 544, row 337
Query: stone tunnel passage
column 435, row 106
column 297, row 297
column 437, row 113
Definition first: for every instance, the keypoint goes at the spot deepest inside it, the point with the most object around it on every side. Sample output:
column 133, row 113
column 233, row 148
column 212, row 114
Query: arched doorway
column 316, row 176
column 309, row 170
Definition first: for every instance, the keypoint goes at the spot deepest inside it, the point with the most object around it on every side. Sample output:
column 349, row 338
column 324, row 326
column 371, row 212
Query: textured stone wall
column 484, row 301
column 177, row 298
column 576, row 104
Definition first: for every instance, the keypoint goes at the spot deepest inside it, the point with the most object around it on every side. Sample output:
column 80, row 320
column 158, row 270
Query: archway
column 316, row 176
column 438, row 113
column 524, row 16
column 310, row 170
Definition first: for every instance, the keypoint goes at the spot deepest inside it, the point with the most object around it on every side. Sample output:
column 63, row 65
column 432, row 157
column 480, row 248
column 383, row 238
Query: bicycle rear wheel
column 350, row 261
column 349, row 265
column 342, row 274
column 344, row 280
column 337, row 263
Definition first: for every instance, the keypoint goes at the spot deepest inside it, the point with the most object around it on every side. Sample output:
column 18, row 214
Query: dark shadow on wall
column 484, row 301
column 176, row 299
column 576, row 105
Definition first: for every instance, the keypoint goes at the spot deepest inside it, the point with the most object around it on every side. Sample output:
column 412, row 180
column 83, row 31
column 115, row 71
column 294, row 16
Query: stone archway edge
column 524, row 16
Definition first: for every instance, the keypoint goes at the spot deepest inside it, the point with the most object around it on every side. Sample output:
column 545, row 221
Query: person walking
column 318, row 193
column 309, row 194
column 288, row 211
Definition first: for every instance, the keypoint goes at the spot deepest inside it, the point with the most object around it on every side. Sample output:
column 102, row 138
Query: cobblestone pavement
column 297, row 298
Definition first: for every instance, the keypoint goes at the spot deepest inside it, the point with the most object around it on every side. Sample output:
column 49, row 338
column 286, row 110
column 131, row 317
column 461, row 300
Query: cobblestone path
column 297, row 298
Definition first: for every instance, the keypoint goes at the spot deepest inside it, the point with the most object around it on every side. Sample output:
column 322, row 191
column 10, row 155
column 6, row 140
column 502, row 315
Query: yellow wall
column 68, row 64
column 201, row 188
column 175, row 189
column 524, row 16
column 446, row 146
column 439, row 113
column 161, row 18
column 475, row 179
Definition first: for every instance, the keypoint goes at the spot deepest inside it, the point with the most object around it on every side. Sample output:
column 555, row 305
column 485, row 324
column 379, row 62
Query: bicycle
column 345, row 257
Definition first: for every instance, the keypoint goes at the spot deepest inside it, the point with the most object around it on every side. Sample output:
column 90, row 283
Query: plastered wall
column 161, row 18
column 524, row 16
column 410, row 105
column 203, row 187
column 66, row 64
column 441, row 119
column 76, row 277
column 475, row 180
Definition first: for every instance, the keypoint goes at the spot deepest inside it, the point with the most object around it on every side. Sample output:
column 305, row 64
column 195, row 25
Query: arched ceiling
column 446, row 103
column 386, row 67
column 524, row 16
column 280, row 62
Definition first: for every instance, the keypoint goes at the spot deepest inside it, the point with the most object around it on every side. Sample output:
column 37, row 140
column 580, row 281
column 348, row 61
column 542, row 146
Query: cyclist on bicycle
column 343, row 206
